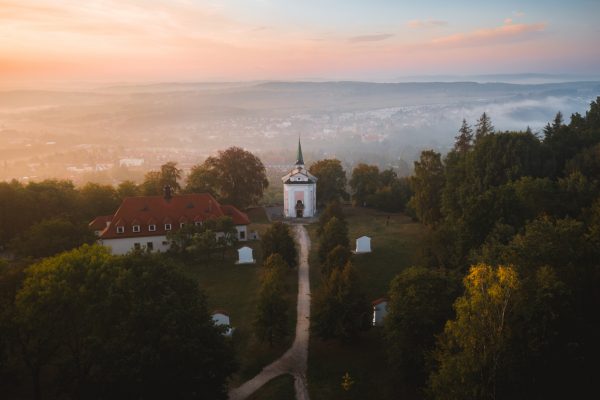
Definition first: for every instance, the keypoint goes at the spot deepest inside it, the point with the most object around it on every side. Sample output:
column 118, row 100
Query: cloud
column 426, row 23
column 518, row 14
column 370, row 38
column 507, row 33
column 508, row 21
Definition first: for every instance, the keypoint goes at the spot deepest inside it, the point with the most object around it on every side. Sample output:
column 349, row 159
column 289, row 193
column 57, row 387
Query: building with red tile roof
column 145, row 221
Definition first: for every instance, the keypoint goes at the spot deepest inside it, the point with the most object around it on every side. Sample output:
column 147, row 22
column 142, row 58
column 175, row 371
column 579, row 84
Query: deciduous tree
column 332, row 181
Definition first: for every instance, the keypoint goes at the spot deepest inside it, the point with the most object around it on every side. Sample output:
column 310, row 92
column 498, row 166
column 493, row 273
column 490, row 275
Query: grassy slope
column 280, row 388
column 393, row 247
column 234, row 288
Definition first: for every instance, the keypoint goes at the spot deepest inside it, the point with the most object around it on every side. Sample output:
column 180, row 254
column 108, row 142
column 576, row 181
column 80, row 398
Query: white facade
column 222, row 319
column 379, row 312
column 363, row 244
column 122, row 246
column 245, row 255
column 305, row 193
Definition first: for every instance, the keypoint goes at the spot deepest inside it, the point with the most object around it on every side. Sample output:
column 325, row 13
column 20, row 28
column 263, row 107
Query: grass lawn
column 234, row 288
column 280, row 388
column 393, row 244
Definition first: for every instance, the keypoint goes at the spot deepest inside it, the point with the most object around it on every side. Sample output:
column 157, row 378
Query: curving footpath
column 294, row 361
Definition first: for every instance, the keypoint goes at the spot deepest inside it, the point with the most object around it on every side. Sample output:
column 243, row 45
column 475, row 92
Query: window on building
column 150, row 246
column 137, row 246
column 242, row 235
column 136, row 228
column 181, row 224
column 198, row 223
column 152, row 228
column 167, row 227
column 120, row 229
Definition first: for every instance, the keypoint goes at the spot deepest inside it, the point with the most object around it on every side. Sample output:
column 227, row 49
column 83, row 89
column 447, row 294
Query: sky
column 238, row 40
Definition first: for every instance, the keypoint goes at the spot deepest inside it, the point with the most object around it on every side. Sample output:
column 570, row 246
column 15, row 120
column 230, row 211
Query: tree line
column 505, row 302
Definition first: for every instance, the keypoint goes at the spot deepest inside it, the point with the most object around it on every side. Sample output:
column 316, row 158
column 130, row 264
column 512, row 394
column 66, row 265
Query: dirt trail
column 294, row 361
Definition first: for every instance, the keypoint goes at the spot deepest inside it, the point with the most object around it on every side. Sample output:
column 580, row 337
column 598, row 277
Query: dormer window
column 198, row 223
column 120, row 229
column 167, row 227
column 136, row 228
column 181, row 224
column 152, row 227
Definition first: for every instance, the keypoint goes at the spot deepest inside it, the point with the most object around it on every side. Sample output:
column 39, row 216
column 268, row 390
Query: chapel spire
column 299, row 158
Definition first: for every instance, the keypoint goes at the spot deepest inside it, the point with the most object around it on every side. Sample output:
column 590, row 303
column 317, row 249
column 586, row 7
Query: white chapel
column 299, row 190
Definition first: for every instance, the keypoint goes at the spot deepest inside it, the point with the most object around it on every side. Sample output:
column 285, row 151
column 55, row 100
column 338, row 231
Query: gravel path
column 294, row 361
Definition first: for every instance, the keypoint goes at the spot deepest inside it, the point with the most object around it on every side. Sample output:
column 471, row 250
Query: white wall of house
column 305, row 192
column 125, row 245
column 121, row 246
column 379, row 312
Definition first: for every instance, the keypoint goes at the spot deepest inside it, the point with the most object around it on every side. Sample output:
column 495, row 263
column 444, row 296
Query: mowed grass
column 234, row 289
column 394, row 240
column 280, row 388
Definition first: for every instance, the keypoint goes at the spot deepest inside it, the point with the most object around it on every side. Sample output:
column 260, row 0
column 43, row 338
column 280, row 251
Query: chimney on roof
column 167, row 191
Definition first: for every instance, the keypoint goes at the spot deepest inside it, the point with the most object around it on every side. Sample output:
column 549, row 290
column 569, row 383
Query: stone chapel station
column 299, row 190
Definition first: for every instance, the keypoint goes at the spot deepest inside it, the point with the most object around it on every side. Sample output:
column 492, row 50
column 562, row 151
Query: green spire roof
column 299, row 158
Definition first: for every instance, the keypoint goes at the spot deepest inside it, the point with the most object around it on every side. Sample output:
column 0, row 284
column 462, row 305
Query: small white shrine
column 363, row 245
column 299, row 190
column 379, row 311
column 245, row 256
column 221, row 318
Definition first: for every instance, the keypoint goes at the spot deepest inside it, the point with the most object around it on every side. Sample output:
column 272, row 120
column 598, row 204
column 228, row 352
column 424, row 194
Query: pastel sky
column 202, row 40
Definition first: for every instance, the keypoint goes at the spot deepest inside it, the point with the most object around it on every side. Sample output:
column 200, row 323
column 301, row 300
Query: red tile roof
column 99, row 223
column 379, row 301
column 156, row 210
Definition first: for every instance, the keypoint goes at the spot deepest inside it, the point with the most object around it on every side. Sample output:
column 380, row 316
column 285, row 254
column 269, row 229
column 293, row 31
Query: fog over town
column 108, row 133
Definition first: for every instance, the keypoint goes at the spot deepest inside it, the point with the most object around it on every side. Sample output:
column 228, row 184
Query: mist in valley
column 111, row 133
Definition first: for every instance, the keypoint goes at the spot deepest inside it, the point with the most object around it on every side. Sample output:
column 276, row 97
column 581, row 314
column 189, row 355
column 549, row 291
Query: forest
column 501, row 305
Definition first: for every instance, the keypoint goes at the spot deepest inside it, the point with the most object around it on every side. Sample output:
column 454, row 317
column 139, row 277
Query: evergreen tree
column 279, row 240
column 427, row 184
column 483, row 127
column 271, row 320
column 340, row 309
column 336, row 259
column 464, row 140
column 334, row 234
column 333, row 209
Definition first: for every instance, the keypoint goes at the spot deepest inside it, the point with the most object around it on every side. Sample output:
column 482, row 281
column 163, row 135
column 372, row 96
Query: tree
column 364, row 183
column 97, row 200
column 279, row 240
column 336, row 259
column 427, row 184
column 271, row 320
column 471, row 353
column 464, row 141
column 203, row 179
column 51, row 236
column 118, row 327
column 333, row 209
column 332, row 181
column 339, row 307
column 334, row 234
column 483, row 127
column 420, row 302
column 237, row 176
column 155, row 181
column 127, row 189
